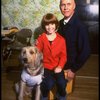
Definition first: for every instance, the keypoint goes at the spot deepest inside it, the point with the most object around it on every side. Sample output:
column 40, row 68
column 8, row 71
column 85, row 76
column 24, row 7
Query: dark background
column 88, row 11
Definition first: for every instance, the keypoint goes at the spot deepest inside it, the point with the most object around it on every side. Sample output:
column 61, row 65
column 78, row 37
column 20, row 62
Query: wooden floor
column 85, row 87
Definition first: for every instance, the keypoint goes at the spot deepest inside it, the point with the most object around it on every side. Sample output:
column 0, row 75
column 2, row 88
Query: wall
column 27, row 13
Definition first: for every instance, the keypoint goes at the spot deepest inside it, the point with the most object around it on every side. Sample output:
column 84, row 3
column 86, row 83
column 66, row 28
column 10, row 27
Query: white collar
column 66, row 20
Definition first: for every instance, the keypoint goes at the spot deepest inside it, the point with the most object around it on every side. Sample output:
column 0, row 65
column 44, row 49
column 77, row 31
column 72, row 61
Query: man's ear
column 74, row 5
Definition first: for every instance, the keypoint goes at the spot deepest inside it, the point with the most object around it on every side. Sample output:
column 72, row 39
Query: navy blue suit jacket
column 77, row 41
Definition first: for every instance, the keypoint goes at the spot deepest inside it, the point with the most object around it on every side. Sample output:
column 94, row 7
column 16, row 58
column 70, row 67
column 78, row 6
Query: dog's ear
column 21, row 52
column 20, row 55
column 39, row 57
column 39, row 54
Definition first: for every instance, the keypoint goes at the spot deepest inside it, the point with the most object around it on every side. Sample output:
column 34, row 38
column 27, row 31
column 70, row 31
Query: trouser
column 49, row 80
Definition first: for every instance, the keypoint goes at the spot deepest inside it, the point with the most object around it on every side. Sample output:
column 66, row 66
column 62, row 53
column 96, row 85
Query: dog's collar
column 32, row 71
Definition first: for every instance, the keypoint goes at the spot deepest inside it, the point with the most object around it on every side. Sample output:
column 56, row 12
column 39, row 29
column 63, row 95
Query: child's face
column 50, row 28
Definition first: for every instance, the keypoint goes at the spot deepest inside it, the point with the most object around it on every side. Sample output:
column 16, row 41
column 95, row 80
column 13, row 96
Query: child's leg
column 61, row 85
column 47, row 83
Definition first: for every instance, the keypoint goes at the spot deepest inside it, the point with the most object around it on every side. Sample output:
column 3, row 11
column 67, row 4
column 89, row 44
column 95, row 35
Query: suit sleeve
column 83, row 49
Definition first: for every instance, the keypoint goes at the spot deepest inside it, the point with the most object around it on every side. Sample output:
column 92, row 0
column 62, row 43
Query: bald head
column 73, row 1
column 67, row 7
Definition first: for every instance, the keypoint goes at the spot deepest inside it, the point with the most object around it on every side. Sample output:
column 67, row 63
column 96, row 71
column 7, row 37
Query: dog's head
column 31, row 57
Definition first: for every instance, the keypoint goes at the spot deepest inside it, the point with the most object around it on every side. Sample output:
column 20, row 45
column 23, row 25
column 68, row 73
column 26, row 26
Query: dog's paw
column 20, row 98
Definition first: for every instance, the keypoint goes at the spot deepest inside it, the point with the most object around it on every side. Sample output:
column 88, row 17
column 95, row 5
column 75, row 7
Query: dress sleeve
column 63, row 54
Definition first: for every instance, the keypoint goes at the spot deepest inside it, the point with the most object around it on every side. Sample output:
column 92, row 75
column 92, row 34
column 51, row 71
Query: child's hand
column 58, row 69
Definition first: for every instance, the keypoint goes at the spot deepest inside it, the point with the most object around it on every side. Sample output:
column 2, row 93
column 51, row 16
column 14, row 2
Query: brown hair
column 49, row 18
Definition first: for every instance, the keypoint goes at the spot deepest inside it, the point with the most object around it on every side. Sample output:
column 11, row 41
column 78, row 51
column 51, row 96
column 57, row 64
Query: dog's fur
column 31, row 58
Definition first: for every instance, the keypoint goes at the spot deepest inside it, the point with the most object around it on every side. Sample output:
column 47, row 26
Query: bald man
column 76, row 35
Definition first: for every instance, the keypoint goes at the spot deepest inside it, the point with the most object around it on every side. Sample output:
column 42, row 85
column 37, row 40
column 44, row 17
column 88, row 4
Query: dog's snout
column 25, row 60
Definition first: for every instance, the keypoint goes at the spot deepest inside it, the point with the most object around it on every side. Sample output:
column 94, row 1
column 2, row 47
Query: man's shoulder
column 61, row 20
column 78, row 20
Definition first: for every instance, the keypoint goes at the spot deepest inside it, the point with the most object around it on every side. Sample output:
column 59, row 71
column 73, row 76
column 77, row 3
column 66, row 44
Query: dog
column 32, row 72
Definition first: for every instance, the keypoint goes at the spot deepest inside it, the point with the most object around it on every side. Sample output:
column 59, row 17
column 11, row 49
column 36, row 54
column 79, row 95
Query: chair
column 8, row 36
column 20, row 39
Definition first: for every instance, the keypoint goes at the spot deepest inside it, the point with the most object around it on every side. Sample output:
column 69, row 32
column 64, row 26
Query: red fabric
column 54, row 55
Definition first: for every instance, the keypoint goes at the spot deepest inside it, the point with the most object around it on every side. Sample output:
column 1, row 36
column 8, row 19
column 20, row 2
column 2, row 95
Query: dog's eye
column 31, row 52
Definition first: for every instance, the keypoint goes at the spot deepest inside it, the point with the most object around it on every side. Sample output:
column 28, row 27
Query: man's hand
column 69, row 74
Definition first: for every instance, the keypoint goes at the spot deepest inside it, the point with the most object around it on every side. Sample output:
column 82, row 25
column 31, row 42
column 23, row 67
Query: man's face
column 67, row 7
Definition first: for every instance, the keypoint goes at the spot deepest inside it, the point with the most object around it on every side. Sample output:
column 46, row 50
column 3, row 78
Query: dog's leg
column 22, row 89
column 38, row 93
column 17, row 87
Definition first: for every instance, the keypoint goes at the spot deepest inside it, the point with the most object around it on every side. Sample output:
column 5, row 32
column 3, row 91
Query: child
column 53, row 47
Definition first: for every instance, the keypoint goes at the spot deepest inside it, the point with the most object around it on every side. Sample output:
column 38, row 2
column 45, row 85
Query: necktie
column 65, row 22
